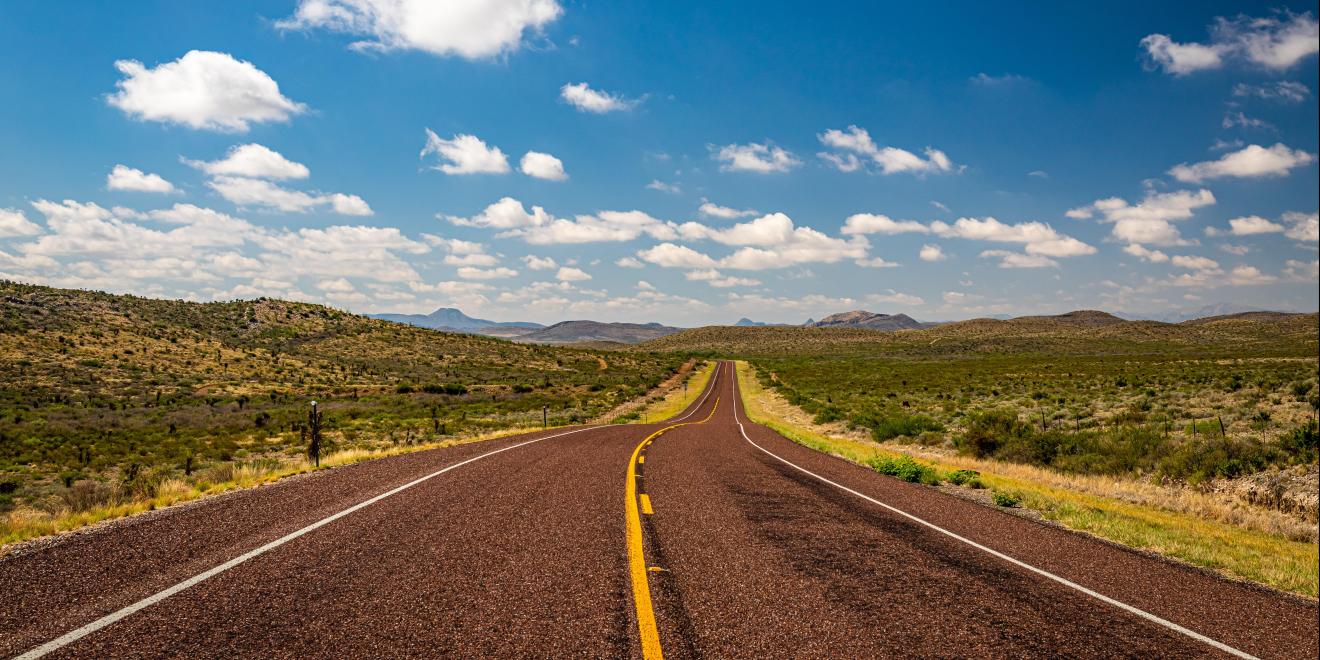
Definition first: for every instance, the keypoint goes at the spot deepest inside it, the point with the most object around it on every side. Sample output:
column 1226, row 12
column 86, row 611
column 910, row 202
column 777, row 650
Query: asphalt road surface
column 705, row 535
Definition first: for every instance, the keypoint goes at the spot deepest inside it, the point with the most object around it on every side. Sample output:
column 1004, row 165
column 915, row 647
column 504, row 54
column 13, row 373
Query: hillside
column 121, row 387
column 573, row 332
column 1084, row 332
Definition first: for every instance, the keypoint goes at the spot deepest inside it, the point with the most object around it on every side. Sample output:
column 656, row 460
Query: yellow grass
column 1237, row 550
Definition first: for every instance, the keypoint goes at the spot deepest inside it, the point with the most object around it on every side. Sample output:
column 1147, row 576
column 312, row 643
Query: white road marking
column 75, row 635
column 1039, row 571
column 710, row 387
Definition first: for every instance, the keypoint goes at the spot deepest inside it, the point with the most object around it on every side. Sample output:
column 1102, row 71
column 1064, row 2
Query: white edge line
column 79, row 633
column 1039, row 571
column 710, row 387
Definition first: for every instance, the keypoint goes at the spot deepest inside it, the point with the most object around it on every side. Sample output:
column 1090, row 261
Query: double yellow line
column 637, row 572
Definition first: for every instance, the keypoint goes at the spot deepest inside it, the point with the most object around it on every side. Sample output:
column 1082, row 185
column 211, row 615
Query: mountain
column 1083, row 318
column 745, row 322
column 571, row 332
column 869, row 320
column 448, row 318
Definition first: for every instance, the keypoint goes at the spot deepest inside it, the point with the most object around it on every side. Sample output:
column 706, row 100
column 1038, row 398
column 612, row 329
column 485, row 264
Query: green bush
column 964, row 477
column 1005, row 499
column 906, row 469
column 988, row 430
column 1301, row 443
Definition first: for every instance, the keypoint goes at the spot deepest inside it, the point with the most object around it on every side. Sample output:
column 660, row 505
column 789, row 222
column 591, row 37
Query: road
column 705, row 535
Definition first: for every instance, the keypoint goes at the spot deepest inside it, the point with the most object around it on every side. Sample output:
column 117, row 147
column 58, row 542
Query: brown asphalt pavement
column 524, row 553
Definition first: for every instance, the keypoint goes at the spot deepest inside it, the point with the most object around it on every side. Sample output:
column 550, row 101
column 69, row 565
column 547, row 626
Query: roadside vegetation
column 112, row 404
column 1264, row 546
column 685, row 389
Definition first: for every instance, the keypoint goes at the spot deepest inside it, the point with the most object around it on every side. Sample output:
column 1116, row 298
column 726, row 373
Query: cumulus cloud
column 712, row 210
column 719, row 280
column 628, row 262
column 465, row 154
column 1252, row 225
column 876, row 262
column 123, row 177
column 1274, row 42
column 931, row 253
column 670, row 255
column 1146, row 254
column 541, row 228
column 539, row 263
column 475, row 273
column 1039, row 238
column 471, row 30
column 1302, row 271
column 14, row 223
column 762, row 158
column 1253, row 161
column 253, row 161
column 1151, row 220
column 202, row 90
column 1193, row 262
column 260, row 193
column 868, row 223
column 1010, row 259
column 542, row 166
column 854, row 144
column 570, row 274
column 586, row 99
column 1305, row 226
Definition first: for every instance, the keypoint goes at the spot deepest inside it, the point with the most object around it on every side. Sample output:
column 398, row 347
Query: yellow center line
column 637, row 570
column 646, row 504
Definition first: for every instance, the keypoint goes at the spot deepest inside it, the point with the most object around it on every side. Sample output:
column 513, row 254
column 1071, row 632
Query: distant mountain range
column 1180, row 315
column 571, row 332
column 448, row 318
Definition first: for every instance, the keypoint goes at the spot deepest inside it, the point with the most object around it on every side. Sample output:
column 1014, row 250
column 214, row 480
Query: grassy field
column 673, row 402
column 118, row 400
column 1243, row 551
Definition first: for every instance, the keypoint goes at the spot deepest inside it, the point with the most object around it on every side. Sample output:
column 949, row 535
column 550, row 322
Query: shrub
column 1301, row 443
column 987, row 430
column 403, row 389
column 1005, row 499
column 963, row 477
column 906, row 469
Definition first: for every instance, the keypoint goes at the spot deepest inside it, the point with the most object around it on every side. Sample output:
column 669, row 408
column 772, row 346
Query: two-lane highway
column 703, row 536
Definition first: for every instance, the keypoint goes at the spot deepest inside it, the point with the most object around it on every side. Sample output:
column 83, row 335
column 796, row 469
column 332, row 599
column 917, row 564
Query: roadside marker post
column 545, row 417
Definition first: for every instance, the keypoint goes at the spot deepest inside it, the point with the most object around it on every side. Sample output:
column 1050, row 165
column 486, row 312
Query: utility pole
column 314, row 423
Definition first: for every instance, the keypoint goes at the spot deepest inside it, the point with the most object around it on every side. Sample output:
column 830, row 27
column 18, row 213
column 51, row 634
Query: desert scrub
column 906, row 469
column 1005, row 498
column 1257, row 545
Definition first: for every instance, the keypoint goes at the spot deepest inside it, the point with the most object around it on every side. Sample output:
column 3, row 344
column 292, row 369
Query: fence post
column 545, row 417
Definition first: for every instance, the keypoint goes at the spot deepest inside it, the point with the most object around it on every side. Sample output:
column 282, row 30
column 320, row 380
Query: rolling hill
column 575, row 332
column 869, row 320
column 448, row 318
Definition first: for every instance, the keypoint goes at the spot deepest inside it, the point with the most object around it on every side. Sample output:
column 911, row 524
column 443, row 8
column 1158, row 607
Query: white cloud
column 773, row 241
column 1232, row 119
column 586, row 99
column 14, row 223
column 1039, row 238
column 1285, row 91
column 892, row 297
column 867, row 223
column 712, row 210
column 474, row 273
column 123, row 177
column 671, row 188
column 670, row 255
column 1193, row 262
column 471, row 30
column 465, row 154
column 336, row 285
column 253, row 161
column 1305, row 226
column 1146, row 254
column 1253, row 161
column 717, row 279
column 541, row 228
column 1275, row 42
column 931, row 253
column 542, row 166
column 1009, row 259
column 876, row 262
column 856, row 141
column 628, row 262
column 202, row 90
column 570, row 274
column 539, row 263
column 1237, row 250
column 763, row 158
column 1252, row 225
column 1151, row 221
column 245, row 192
column 1302, row 271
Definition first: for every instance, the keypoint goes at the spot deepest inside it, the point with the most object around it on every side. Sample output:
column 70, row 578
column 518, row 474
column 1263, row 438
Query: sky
column 684, row 162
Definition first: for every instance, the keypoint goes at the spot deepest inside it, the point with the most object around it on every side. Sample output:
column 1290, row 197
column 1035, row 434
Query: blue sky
column 687, row 163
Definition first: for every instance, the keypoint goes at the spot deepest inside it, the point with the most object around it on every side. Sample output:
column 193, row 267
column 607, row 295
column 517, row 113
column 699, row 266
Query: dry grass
column 1253, row 545
column 677, row 398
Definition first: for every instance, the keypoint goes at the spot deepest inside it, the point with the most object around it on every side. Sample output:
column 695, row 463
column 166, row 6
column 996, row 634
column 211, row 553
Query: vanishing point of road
column 705, row 535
